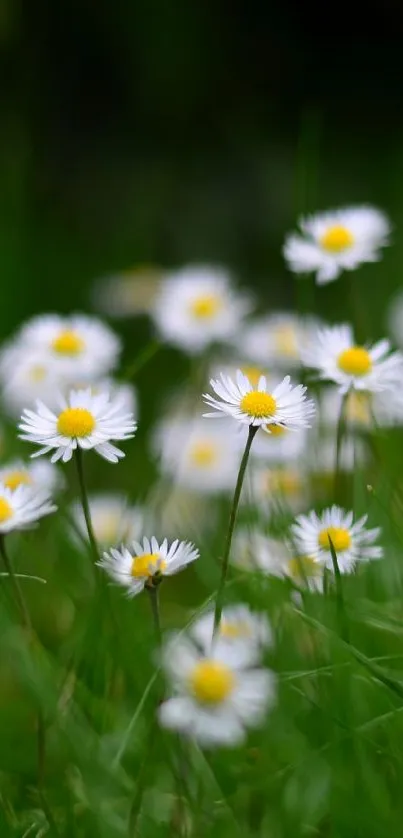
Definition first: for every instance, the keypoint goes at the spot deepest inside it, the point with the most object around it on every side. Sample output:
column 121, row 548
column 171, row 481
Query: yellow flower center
column 286, row 341
column 303, row 566
column 358, row 408
column 211, row 682
column 37, row 373
column 284, row 481
column 340, row 538
column 203, row 454
column 253, row 374
column 75, row 421
column 258, row 405
column 234, row 630
column 147, row 565
column 68, row 342
column 355, row 361
column 6, row 510
column 17, row 478
column 205, row 307
column 336, row 239
column 276, row 430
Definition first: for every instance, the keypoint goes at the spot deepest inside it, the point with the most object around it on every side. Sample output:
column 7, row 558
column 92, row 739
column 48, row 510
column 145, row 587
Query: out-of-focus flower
column 241, row 632
column 276, row 340
column 144, row 564
column 363, row 410
column 113, row 520
column 83, row 421
column 197, row 306
column 216, row 698
column 196, row 455
column 281, row 445
column 256, row 551
column 39, row 476
column 313, row 535
column 336, row 357
column 337, row 240
column 287, row 405
column 282, row 486
column 129, row 292
column 22, row 507
column 26, row 376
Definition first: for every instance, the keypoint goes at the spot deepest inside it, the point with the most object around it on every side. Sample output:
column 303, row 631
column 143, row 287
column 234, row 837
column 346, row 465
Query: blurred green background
column 168, row 132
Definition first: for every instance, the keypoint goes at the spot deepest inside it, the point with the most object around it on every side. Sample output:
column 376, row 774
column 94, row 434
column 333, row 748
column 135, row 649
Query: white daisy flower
column 83, row 421
column 199, row 456
column 280, row 446
column 25, row 376
column 39, row 476
column 21, row 508
column 336, row 357
column 241, row 632
column 144, row 564
column 321, row 457
column 198, row 306
column 364, row 411
column 129, row 292
column 81, row 347
column 113, row 520
column 254, row 551
column 337, row 240
column 277, row 339
column 283, row 486
column 287, row 405
column 216, row 699
column 352, row 541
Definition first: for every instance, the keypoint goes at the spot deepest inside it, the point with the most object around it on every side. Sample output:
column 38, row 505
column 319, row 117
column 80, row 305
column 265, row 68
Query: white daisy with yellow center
column 42, row 476
column 197, row 455
column 364, row 411
column 114, row 521
column 197, row 306
column 25, row 376
column 143, row 564
column 284, row 486
column 337, row 240
column 22, row 507
column 255, row 551
column 276, row 340
column 83, row 421
column 81, row 347
column 216, row 697
column 286, row 405
column 314, row 534
column 129, row 292
column 337, row 357
column 241, row 632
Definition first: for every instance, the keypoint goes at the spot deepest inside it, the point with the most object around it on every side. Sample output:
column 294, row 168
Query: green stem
column 155, row 609
column 340, row 431
column 339, row 593
column 141, row 360
column 232, row 519
column 84, row 502
column 19, row 596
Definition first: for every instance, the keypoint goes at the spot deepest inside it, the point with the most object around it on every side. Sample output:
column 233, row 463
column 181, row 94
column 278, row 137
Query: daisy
column 336, row 357
column 198, row 306
column 81, row 347
column 26, row 376
column 363, row 411
column 199, row 456
column 321, row 458
column 129, row 292
column 241, row 630
column 145, row 564
column 280, row 446
column 271, row 487
column 113, row 520
column 216, row 698
column 21, row 508
column 82, row 421
column 277, row 339
column 256, row 551
column 352, row 541
column 286, row 405
column 39, row 476
column 337, row 240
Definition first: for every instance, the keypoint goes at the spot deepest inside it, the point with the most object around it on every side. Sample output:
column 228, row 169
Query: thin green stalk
column 84, row 502
column 141, row 360
column 19, row 596
column 340, row 431
column 339, row 593
column 155, row 610
column 232, row 519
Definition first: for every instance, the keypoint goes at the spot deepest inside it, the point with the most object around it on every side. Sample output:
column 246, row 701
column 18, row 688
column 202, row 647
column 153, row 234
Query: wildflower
column 129, row 292
column 198, row 306
column 145, row 564
column 39, row 476
column 216, row 699
column 363, row 410
column 240, row 632
column 272, row 486
column 198, row 456
column 337, row 240
column 113, row 520
column 277, row 339
column 336, row 357
column 22, row 507
column 256, row 551
column 26, row 376
column 280, row 446
column 286, row 406
column 313, row 535
column 83, row 420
